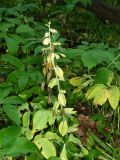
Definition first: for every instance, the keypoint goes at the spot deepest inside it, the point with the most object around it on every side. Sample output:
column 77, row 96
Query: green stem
column 113, row 61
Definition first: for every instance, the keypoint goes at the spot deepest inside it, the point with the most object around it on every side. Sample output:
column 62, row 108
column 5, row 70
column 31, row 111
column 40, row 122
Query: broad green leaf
column 62, row 99
column 8, row 135
column 26, row 119
column 92, row 58
column 24, row 28
column 38, row 49
column 48, row 149
column 76, row 81
column 63, row 128
column 114, row 96
column 91, row 93
column 21, row 146
column 13, row 100
column 12, row 113
column 22, row 79
column 53, row 82
column 12, row 45
column 5, row 91
column 14, row 61
column 103, row 76
column 12, row 77
column 71, row 53
column 63, row 154
column 35, row 75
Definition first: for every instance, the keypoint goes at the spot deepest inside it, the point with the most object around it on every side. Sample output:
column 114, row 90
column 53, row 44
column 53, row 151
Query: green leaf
column 63, row 154
column 91, row 93
column 51, row 136
column 76, row 81
column 92, row 58
column 12, row 45
column 63, row 128
column 101, row 97
column 35, row 75
column 8, row 135
column 59, row 72
column 22, row 79
column 48, row 149
column 75, row 140
column 24, row 28
column 21, row 146
column 40, row 120
column 12, row 77
column 114, row 96
column 14, row 61
column 5, row 91
column 103, row 76
column 62, row 99
column 53, row 82
column 26, row 119
column 12, row 113
column 13, row 100
column 38, row 49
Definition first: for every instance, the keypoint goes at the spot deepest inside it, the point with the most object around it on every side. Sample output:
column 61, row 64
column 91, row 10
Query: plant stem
column 113, row 61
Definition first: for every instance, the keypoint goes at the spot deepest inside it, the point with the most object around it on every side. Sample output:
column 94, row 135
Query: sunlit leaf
column 59, row 72
column 63, row 128
column 62, row 99
column 26, row 119
column 91, row 93
column 48, row 149
column 76, row 81
column 63, row 154
column 114, row 96
column 101, row 97
column 53, row 82
column 40, row 120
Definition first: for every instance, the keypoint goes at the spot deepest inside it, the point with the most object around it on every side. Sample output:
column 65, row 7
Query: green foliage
column 38, row 71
